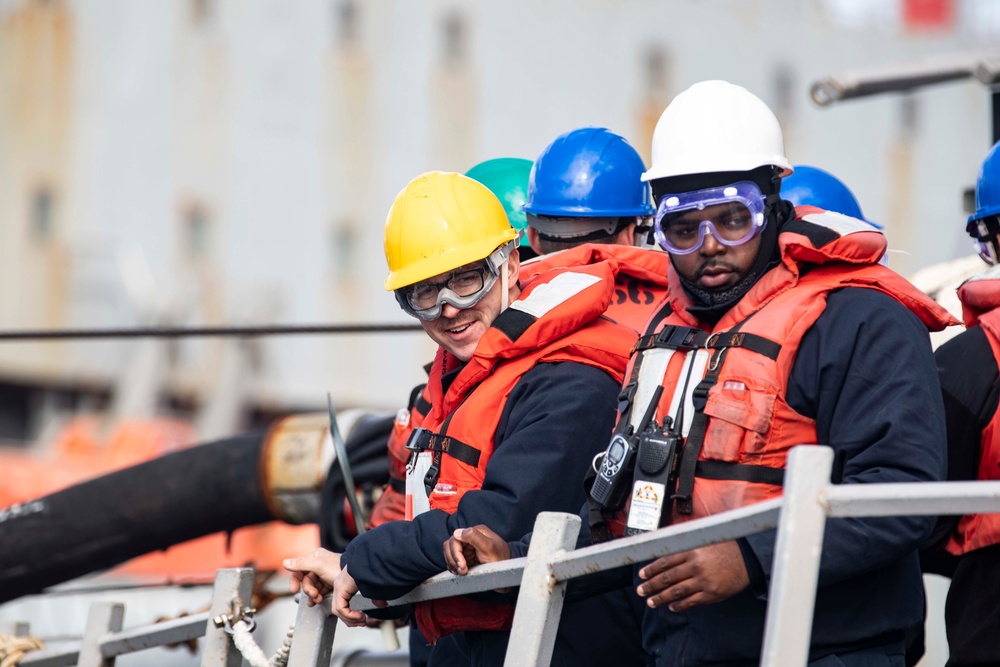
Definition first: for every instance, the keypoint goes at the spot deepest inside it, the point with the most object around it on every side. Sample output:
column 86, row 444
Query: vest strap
column 627, row 393
column 672, row 337
column 421, row 404
column 423, row 440
column 686, row 338
column 696, row 436
column 743, row 472
column 747, row 341
column 397, row 485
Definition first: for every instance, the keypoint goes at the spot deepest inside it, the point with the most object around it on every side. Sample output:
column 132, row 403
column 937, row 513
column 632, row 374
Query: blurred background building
column 232, row 161
column 204, row 162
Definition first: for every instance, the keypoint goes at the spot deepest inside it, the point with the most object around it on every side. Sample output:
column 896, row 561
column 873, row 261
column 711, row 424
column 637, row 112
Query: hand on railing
column 345, row 588
column 313, row 574
column 694, row 578
column 468, row 547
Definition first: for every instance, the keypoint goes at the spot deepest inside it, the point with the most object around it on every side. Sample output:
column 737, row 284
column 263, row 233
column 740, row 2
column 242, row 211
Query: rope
column 181, row 332
column 253, row 653
column 12, row 648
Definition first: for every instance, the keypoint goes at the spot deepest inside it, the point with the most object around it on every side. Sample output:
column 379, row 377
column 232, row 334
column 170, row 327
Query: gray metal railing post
column 312, row 643
column 218, row 649
column 103, row 619
column 15, row 628
column 539, row 604
column 795, row 570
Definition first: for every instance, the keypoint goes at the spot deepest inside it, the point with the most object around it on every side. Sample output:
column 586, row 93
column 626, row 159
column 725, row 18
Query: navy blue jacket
column 865, row 373
column 557, row 417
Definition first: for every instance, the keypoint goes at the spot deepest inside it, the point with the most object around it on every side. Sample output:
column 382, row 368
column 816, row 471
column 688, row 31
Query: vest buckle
column 431, row 478
column 413, row 443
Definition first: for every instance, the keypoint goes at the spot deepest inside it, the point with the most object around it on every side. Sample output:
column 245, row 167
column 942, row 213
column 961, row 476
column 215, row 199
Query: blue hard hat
column 811, row 186
column 589, row 172
column 988, row 186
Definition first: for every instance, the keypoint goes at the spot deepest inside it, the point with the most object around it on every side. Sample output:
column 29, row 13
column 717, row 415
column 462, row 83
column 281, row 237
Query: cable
column 182, row 332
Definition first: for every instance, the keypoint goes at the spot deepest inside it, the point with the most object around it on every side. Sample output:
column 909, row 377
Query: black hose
column 151, row 506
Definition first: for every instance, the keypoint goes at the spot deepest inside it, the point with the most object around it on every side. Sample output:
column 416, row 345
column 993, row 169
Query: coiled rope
column 12, row 648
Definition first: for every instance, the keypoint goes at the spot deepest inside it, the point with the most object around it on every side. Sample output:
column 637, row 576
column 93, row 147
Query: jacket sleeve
column 865, row 373
column 558, row 416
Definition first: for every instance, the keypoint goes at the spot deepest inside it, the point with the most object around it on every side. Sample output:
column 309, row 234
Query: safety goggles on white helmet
column 733, row 214
column 462, row 288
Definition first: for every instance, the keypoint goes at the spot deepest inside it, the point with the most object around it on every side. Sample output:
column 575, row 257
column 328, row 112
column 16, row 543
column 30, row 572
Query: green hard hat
column 507, row 178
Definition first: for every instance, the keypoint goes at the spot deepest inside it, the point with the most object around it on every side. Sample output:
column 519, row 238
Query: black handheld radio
column 618, row 462
column 654, row 480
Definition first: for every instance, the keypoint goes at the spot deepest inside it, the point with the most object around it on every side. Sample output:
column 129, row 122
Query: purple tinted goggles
column 733, row 214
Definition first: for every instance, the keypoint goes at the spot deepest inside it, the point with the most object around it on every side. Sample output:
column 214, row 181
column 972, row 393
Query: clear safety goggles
column 733, row 214
column 984, row 231
column 462, row 288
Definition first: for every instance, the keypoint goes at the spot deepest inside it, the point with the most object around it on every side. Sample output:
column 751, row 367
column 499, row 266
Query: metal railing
column 104, row 640
column 800, row 517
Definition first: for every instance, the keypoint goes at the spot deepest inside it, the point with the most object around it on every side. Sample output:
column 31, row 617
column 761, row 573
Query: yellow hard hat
column 439, row 222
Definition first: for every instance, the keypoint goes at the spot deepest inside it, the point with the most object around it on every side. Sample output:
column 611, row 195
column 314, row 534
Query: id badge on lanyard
column 417, row 501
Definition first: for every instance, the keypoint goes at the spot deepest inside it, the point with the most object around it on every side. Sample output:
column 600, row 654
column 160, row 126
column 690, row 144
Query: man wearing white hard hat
column 783, row 329
column 809, row 341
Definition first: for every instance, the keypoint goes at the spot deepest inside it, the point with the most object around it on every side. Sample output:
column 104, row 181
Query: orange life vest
column 737, row 422
column 980, row 297
column 556, row 318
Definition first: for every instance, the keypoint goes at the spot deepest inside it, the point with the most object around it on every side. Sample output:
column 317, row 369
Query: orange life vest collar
column 980, row 294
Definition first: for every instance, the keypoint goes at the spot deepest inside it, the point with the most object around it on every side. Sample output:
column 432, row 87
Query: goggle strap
column 504, row 286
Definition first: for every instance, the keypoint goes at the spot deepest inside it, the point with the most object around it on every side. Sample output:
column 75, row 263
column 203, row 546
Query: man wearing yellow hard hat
column 522, row 389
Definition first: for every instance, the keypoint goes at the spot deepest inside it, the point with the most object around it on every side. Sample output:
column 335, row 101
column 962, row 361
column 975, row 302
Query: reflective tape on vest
column 547, row 296
column 699, row 359
column 417, row 500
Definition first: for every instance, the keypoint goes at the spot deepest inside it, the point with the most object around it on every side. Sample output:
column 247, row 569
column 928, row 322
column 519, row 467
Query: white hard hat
column 716, row 126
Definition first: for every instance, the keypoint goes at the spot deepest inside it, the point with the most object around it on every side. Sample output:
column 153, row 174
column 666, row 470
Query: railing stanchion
column 539, row 604
column 218, row 649
column 312, row 644
column 795, row 570
column 103, row 619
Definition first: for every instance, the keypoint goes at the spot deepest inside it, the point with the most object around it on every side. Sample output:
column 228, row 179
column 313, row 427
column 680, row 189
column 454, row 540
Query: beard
column 717, row 297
